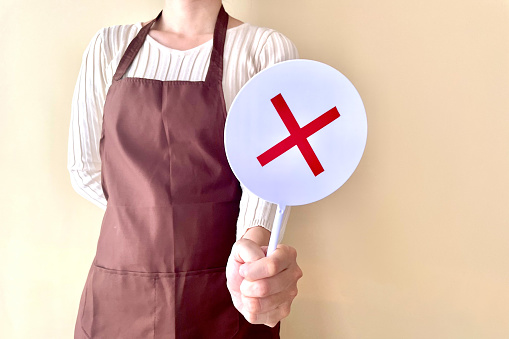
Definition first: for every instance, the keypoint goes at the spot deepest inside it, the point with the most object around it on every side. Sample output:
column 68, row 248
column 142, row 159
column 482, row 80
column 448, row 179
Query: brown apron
column 169, row 225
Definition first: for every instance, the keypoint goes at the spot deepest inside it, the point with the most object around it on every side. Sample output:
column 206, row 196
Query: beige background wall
column 414, row 245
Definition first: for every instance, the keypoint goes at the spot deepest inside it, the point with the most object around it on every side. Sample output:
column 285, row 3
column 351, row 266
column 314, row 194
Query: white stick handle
column 276, row 228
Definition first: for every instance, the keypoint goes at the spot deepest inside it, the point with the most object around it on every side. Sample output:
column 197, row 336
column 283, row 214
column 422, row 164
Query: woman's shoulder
column 117, row 37
column 263, row 44
column 261, row 39
column 108, row 42
column 256, row 32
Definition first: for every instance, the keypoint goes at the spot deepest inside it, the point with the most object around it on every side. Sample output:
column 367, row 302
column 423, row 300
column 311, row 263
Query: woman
column 146, row 142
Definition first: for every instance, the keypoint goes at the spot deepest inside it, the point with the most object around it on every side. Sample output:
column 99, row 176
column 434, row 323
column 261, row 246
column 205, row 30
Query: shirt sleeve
column 254, row 211
column 83, row 161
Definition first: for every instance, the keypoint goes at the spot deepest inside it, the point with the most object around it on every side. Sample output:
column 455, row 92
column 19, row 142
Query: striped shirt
column 248, row 50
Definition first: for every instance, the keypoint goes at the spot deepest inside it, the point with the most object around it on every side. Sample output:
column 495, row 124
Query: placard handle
column 276, row 228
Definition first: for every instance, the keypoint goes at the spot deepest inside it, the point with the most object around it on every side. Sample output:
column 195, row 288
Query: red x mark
column 298, row 135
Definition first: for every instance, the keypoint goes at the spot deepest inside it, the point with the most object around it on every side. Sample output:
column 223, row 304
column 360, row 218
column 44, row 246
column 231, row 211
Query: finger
column 233, row 278
column 263, row 305
column 272, row 265
column 270, row 318
column 264, row 287
column 246, row 250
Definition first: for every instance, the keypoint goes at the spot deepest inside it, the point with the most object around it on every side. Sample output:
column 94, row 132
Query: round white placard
column 295, row 132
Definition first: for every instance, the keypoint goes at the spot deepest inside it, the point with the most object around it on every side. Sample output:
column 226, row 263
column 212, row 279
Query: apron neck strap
column 215, row 71
column 133, row 48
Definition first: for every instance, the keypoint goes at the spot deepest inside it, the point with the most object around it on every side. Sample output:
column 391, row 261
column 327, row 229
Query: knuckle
column 261, row 289
column 293, row 252
column 289, row 251
column 238, row 245
column 298, row 273
column 273, row 266
column 284, row 247
column 254, row 305
column 241, row 241
column 285, row 311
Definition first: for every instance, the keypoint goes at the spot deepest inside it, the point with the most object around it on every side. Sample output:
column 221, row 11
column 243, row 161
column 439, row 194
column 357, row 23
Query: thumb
column 246, row 250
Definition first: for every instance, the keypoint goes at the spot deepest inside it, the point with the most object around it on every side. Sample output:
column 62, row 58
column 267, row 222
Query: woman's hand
column 262, row 288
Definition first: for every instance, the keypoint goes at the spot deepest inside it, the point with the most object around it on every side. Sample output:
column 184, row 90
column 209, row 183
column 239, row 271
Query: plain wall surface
column 414, row 245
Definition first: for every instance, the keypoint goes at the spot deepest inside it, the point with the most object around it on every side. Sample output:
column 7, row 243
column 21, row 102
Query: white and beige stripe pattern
column 248, row 50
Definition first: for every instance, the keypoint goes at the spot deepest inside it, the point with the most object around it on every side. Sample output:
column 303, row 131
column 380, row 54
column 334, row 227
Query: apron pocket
column 201, row 307
column 118, row 304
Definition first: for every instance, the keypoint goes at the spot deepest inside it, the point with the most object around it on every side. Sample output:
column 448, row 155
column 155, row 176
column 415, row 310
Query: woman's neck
column 189, row 18
column 185, row 24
